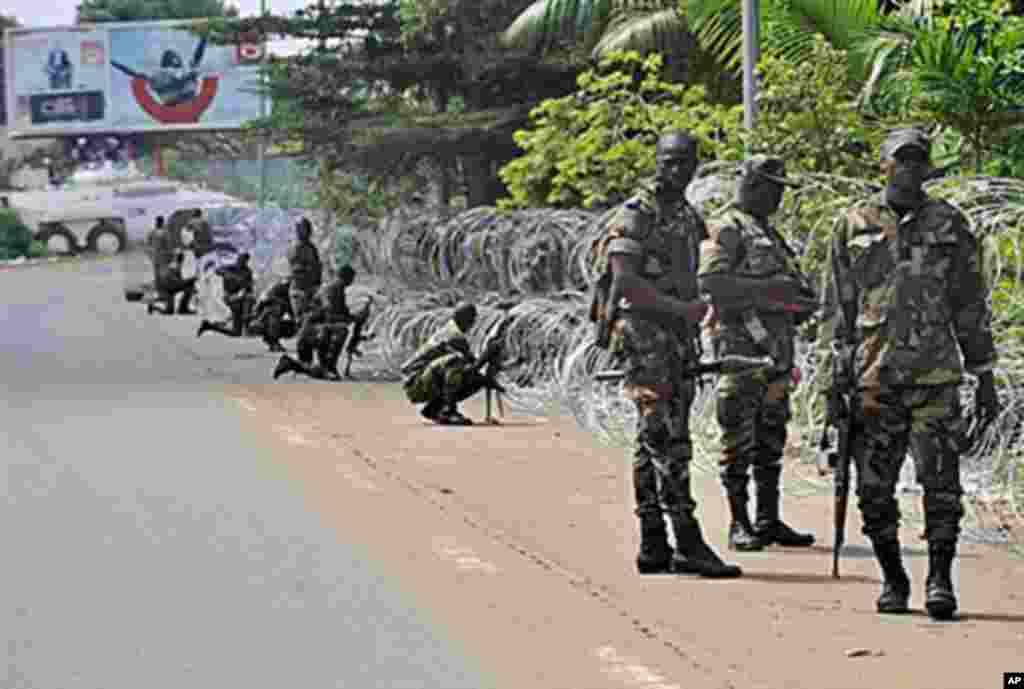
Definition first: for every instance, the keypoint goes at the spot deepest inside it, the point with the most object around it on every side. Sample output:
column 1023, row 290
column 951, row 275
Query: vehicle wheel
column 107, row 239
column 59, row 241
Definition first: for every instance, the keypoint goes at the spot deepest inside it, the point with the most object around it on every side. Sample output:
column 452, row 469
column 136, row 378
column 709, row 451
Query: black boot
column 432, row 410
column 741, row 534
column 895, row 595
column 940, row 601
column 655, row 556
column 284, row 365
column 185, row 306
column 769, row 527
column 694, row 556
column 203, row 327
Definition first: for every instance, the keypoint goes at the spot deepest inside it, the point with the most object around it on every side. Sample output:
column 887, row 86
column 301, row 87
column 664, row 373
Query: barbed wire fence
column 532, row 266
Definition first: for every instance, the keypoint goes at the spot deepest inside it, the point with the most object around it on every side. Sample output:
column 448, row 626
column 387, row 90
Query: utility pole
column 751, row 55
column 263, row 115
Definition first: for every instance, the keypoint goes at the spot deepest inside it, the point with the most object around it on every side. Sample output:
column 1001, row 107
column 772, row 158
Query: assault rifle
column 838, row 448
column 490, row 363
column 726, row 364
column 357, row 336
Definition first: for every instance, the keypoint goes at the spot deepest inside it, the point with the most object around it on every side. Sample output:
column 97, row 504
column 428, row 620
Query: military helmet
column 902, row 138
column 769, row 168
column 465, row 311
column 679, row 143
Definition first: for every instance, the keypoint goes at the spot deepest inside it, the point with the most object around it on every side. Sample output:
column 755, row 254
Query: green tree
column 597, row 28
column 97, row 11
column 590, row 148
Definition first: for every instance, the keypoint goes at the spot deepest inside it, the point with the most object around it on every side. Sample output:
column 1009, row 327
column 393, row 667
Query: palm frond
column 546, row 22
column 663, row 31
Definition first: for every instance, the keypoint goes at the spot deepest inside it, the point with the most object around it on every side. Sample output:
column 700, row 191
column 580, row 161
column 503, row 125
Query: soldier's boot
column 742, row 536
column 286, row 365
column 432, row 409
column 203, row 327
column 895, row 596
column 694, row 556
column 940, row 600
column 185, row 305
column 655, row 556
column 769, row 526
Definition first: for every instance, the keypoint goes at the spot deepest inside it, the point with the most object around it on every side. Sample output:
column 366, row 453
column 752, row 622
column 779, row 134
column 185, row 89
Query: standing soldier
column 202, row 234
column 647, row 311
column 307, row 271
column 905, row 301
column 744, row 263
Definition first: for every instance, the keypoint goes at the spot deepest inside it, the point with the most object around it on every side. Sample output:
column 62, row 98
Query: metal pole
column 263, row 114
column 751, row 55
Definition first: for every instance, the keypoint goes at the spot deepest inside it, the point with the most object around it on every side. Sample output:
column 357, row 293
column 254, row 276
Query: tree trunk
column 478, row 180
column 444, row 183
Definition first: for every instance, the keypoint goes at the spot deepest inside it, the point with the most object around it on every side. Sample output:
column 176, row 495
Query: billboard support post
column 263, row 114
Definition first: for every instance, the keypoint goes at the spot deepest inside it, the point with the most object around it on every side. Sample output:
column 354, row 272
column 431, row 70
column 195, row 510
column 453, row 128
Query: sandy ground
column 540, row 496
column 513, row 545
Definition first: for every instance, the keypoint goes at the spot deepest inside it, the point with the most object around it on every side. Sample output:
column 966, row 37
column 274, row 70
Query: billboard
column 133, row 77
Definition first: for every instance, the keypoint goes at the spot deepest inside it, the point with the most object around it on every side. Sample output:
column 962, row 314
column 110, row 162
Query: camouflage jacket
column 916, row 292
column 202, row 236
column 304, row 259
column 739, row 244
column 667, row 239
column 162, row 250
column 237, row 280
column 448, row 340
column 333, row 305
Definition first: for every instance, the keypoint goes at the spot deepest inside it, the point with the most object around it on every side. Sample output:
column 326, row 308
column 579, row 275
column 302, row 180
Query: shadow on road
column 805, row 578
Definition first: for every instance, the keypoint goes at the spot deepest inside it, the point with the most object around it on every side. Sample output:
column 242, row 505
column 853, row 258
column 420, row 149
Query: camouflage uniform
column 307, row 275
column 324, row 328
column 270, row 314
column 441, row 369
column 917, row 289
column 667, row 238
column 202, row 236
column 752, row 408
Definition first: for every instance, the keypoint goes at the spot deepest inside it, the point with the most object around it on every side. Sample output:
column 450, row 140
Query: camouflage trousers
column 654, row 359
column 752, row 414
column 325, row 339
column 886, row 423
column 448, row 379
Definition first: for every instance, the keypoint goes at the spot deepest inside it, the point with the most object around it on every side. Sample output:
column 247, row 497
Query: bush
column 590, row 148
column 16, row 238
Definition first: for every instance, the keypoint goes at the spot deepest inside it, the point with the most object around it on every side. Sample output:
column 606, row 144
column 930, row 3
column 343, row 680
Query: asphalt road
column 145, row 543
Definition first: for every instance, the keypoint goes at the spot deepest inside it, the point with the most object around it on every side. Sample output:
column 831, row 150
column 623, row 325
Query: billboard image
column 127, row 77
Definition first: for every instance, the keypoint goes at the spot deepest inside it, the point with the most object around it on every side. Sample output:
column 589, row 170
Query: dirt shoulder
column 561, row 502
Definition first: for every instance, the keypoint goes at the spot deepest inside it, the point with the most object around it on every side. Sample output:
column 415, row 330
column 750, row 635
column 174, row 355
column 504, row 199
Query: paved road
column 145, row 543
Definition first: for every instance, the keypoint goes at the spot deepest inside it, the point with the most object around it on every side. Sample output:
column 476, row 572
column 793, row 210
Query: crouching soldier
column 272, row 317
column 324, row 332
column 238, row 286
column 444, row 372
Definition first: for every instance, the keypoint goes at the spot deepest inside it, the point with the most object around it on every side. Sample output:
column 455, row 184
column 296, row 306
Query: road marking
column 466, row 560
column 292, row 436
column 637, row 675
column 359, row 481
column 244, row 403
